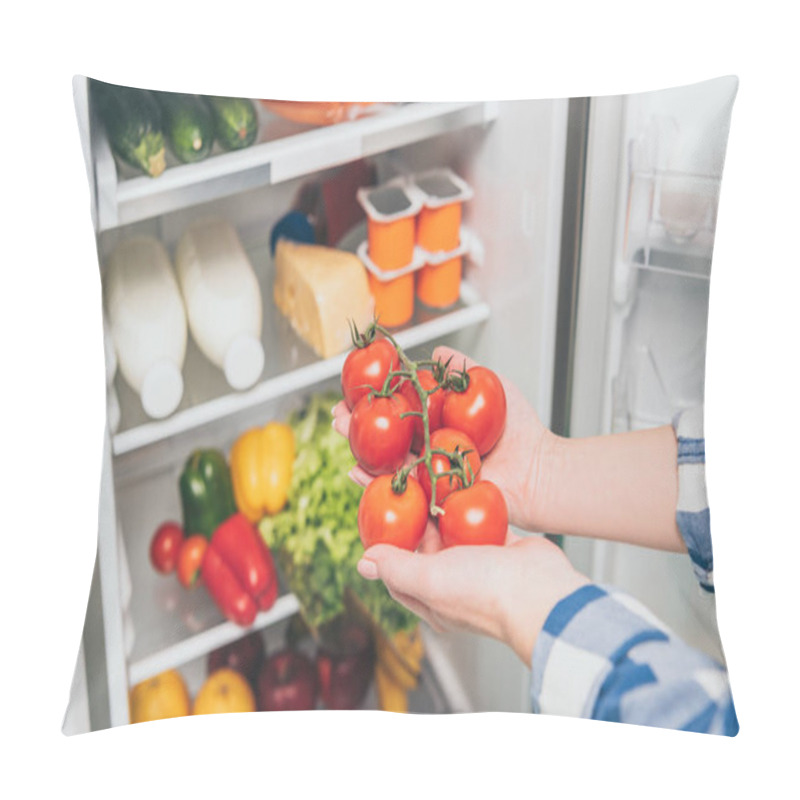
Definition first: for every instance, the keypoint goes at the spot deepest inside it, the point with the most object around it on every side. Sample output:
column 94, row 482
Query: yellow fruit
column 224, row 692
column 398, row 667
column 391, row 695
column 161, row 697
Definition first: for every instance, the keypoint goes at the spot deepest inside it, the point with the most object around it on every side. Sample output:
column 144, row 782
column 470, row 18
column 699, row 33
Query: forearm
column 621, row 487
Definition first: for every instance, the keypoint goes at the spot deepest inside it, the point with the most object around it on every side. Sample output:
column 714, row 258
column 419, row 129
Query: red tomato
column 366, row 368
column 190, row 559
column 479, row 411
column 379, row 438
column 476, row 515
column 164, row 547
column 434, row 407
column 447, row 439
column 385, row 517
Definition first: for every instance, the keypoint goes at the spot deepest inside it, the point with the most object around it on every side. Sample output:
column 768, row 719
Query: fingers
column 341, row 418
column 360, row 476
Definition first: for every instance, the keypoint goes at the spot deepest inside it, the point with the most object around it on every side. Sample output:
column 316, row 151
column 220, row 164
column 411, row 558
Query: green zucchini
column 132, row 119
column 235, row 121
column 188, row 125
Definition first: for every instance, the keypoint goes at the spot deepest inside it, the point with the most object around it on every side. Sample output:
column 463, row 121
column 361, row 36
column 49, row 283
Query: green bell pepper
column 206, row 492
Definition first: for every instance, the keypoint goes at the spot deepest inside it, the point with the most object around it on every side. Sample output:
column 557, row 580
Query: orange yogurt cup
column 439, row 221
column 394, row 300
column 439, row 285
column 392, row 290
column 391, row 223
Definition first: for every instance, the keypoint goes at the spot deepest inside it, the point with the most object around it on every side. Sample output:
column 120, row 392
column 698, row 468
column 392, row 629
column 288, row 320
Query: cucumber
column 235, row 121
column 132, row 119
column 188, row 125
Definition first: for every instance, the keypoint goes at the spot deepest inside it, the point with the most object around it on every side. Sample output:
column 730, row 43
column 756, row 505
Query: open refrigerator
column 591, row 230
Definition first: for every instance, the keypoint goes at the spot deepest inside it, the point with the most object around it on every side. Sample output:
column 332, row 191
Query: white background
column 53, row 409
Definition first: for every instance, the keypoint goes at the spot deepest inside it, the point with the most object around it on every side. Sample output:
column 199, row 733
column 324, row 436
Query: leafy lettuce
column 315, row 538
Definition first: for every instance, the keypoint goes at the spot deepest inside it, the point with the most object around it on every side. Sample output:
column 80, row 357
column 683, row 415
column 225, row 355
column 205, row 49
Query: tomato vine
column 459, row 467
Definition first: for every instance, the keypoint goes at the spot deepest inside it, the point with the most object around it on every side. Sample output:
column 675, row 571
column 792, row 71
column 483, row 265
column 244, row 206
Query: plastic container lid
column 439, row 257
column 421, row 258
column 390, row 201
column 385, row 275
column 441, row 187
column 162, row 389
column 244, row 361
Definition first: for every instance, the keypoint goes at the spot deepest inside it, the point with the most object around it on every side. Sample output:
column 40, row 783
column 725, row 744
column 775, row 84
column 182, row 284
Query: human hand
column 503, row 592
column 514, row 464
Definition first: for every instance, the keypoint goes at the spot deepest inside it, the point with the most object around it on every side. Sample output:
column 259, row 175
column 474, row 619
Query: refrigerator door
column 653, row 168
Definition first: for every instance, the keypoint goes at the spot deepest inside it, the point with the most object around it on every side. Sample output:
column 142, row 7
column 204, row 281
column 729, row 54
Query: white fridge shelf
column 166, row 624
column 282, row 151
column 200, row 644
column 439, row 690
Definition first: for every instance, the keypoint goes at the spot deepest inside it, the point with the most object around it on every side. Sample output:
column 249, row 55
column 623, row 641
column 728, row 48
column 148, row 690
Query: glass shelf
column 283, row 150
column 290, row 366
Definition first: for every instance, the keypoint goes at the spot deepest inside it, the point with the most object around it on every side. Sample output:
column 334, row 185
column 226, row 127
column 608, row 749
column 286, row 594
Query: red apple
column 164, row 547
column 245, row 655
column 345, row 666
column 287, row 682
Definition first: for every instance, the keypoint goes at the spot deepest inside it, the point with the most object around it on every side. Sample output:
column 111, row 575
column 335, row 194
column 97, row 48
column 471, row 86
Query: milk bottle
column 147, row 321
column 222, row 298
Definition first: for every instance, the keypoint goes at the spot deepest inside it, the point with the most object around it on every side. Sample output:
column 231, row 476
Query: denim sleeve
column 692, row 513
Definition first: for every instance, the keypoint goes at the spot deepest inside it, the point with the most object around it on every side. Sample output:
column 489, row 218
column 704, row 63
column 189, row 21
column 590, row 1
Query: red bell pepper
column 239, row 572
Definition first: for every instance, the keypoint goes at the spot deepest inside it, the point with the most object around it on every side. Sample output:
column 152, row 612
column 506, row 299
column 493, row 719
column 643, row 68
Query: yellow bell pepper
column 261, row 462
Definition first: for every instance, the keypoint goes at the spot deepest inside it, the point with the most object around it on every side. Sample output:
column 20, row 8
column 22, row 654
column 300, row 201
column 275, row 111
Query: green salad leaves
column 315, row 538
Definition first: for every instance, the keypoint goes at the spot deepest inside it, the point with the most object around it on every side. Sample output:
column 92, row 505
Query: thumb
column 401, row 570
column 404, row 575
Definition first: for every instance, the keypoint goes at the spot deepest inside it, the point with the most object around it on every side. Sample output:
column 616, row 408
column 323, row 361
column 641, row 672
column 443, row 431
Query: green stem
column 409, row 372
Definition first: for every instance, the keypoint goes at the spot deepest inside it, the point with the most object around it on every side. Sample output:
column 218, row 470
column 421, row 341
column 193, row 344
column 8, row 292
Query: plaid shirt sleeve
column 692, row 515
column 603, row 655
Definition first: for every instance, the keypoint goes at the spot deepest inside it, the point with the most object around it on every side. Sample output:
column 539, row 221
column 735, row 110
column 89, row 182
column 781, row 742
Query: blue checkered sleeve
column 692, row 515
column 603, row 655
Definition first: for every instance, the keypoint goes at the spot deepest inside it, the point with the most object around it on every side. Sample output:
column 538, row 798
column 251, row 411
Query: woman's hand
column 502, row 592
column 621, row 487
column 514, row 464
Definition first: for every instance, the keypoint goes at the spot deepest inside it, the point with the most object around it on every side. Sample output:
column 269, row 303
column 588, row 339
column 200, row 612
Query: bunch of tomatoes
column 421, row 429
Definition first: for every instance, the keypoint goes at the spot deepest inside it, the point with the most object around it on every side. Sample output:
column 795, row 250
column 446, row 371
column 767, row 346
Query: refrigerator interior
column 512, row 154
column 652, row 187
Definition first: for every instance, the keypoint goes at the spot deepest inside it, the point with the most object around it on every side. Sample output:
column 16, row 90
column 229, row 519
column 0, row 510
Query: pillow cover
column 245, row 247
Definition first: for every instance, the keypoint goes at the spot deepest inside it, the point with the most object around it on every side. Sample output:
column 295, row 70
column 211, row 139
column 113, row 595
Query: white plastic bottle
column 147, row 322
column 222, row 298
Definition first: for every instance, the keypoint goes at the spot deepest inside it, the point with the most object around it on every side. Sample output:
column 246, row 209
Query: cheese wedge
column 319, row 289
